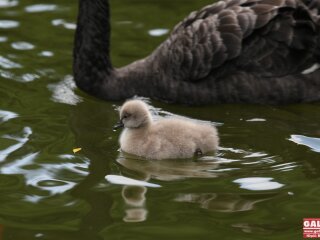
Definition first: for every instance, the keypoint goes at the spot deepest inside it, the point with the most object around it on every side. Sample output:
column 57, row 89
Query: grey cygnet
column 165, row 138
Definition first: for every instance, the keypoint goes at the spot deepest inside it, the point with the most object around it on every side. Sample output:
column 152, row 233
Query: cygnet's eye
column 125, row 116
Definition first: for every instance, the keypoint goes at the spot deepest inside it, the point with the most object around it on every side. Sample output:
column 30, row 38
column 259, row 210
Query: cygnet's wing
column 270, row 38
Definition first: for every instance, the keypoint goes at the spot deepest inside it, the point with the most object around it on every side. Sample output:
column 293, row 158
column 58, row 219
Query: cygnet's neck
column 145, row 125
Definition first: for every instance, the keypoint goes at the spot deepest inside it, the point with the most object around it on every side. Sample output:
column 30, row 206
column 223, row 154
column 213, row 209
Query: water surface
column 261, row 183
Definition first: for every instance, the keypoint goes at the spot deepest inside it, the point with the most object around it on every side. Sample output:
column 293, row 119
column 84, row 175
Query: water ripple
column 40, row 8
column 26, row 77
column 16, row 166
column 8, row 3
column 8, row 64
column 158, row 32
column 54, row 186
column 63, row 23
column 258, row 183
column 29, row 77
column 46, row 54
column 44, row 176
column 3, row 39
column 63, row 92
column 22, row 46
column 223, row 202
column 121, row 180
column 256, row 120
column 311, row 142
column 21, row 141
column 7, row 115
column 5, row 24
column 284, row 167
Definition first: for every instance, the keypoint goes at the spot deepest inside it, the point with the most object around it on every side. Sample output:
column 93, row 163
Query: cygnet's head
column 134, row 114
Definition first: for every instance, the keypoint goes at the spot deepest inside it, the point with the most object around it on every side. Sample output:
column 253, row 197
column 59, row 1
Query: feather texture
column 230, row 51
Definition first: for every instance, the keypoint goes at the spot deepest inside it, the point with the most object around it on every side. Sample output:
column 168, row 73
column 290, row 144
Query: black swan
column 233, row 51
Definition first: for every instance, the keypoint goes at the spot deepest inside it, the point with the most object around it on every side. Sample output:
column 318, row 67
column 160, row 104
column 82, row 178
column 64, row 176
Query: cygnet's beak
column 118, row 125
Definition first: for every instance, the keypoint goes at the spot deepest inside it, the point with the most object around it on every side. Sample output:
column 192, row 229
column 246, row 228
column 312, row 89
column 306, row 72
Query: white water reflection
column 311, row 142
column 63, row 92
column 158, row 32
column 258, row 183
column 40, row 175
column 40, row 8
column 3, row 39
column 26, row 77
column 8, row 64
column 46, row 54
column 7, row 115
column 8, row 3
column 6, row 24
column 64, row 23
column 44, row 176
column 284, row 167
column 16, row 166
column 256, row 120
column 22, row 45
column 21, row 141
column 29, row 77
column 121, row 180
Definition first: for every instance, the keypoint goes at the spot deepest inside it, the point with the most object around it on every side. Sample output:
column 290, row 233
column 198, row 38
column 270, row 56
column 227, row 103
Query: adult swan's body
column 257, row 51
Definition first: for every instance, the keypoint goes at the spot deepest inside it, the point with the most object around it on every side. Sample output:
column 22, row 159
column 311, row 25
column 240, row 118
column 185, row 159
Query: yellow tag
column 75, row 150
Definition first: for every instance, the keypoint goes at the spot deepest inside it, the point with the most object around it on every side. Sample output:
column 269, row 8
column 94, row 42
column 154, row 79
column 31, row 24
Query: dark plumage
column 250, row 51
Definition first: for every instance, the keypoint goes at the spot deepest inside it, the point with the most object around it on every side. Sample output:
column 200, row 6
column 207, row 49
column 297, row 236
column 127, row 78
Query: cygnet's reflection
column 223, row 202
column 170, row 170
column 164, row 170
column 134, row 197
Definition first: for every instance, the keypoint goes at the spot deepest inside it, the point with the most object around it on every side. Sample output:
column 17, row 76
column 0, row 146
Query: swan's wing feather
column 269, row 37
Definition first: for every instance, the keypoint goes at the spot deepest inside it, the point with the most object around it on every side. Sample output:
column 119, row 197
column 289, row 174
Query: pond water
column 260, row 185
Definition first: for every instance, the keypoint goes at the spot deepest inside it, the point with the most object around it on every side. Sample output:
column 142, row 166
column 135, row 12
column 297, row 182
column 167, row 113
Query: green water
column 261, row 184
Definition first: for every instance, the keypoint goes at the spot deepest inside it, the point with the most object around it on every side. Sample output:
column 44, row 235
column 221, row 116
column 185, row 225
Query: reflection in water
column 63, row 23
column 40, row 8
column 46, row 192
column 8, row 3
column 134, row 197
column 87, row 119
column 6, row 24
column 258, row 183
column 164, row 170
column 7, row 115
column 22, row 45
column 158, row 32
column 46, row 54
column 169, row 170
column 8, row 64
column 224, row 202
column 26, row 132
column 63, row 92
column 121, row 180
column 227, row 161
column 313, row 143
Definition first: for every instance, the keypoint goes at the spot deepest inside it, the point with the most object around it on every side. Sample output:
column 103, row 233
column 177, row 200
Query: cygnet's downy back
column 163, row 139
